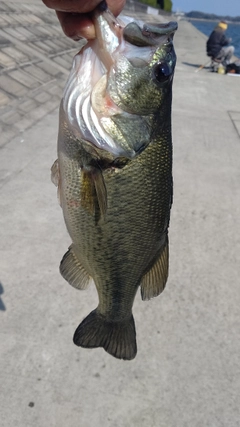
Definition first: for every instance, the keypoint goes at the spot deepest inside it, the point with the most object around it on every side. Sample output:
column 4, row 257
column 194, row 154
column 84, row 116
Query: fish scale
column 117, row 208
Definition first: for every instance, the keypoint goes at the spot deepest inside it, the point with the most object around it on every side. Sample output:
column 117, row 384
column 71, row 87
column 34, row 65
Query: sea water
column 233, row 32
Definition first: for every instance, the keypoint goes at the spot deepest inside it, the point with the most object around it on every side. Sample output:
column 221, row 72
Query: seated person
column 218, row 44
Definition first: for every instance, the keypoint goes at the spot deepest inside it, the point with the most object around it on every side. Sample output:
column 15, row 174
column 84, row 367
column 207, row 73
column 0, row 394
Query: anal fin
column 72, row 270
column 154, row 281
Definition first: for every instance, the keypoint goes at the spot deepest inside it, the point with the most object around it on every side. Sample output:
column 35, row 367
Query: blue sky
column 219, row 7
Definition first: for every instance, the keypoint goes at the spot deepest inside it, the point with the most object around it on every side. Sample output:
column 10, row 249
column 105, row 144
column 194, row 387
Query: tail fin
column 117, row 338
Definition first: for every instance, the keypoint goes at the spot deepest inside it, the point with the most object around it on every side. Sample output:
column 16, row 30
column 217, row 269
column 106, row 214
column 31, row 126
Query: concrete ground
column 187, row 370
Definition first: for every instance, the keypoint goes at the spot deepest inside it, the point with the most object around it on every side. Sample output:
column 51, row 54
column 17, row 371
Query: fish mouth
column 87, row 103
column 149, row 34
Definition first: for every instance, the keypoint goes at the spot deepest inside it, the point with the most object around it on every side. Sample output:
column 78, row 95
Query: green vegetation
column 168, row 5
column 152, row 3
column 155, row 3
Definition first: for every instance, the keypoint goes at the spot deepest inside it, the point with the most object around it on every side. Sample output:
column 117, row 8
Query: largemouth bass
column 114, row 173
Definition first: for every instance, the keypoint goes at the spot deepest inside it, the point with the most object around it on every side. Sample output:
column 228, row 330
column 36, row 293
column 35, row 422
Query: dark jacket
column 215, row 42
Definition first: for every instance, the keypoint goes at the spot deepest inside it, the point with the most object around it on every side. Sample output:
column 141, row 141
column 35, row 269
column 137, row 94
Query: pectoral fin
column 154, row 281
column 93, row 190
column 72, row 270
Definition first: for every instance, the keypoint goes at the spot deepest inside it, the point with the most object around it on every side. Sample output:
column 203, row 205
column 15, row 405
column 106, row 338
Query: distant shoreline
column 186, row 18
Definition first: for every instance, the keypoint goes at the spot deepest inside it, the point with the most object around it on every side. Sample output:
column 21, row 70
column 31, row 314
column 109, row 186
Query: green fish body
column 114, row 173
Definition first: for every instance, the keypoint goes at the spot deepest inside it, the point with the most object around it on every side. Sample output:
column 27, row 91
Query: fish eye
column 162, row 72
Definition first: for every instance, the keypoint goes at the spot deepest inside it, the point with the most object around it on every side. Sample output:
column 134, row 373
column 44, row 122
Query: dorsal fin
column 56, row 180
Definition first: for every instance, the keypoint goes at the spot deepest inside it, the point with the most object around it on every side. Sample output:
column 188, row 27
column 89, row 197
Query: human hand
column 74, row 15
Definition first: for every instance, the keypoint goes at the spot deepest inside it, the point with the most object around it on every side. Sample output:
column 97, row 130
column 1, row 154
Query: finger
column 83, row 6
column 116, row 6
column 78, row 6
column 76, row 25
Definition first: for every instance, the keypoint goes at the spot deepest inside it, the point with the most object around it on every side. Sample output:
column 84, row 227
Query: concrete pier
column 187, row 370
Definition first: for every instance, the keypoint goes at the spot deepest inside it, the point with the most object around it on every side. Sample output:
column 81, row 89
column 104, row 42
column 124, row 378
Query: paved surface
column 35, row 58
column 187, row 370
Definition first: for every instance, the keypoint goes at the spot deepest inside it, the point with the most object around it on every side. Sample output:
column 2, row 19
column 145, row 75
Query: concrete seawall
column 187, row 370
